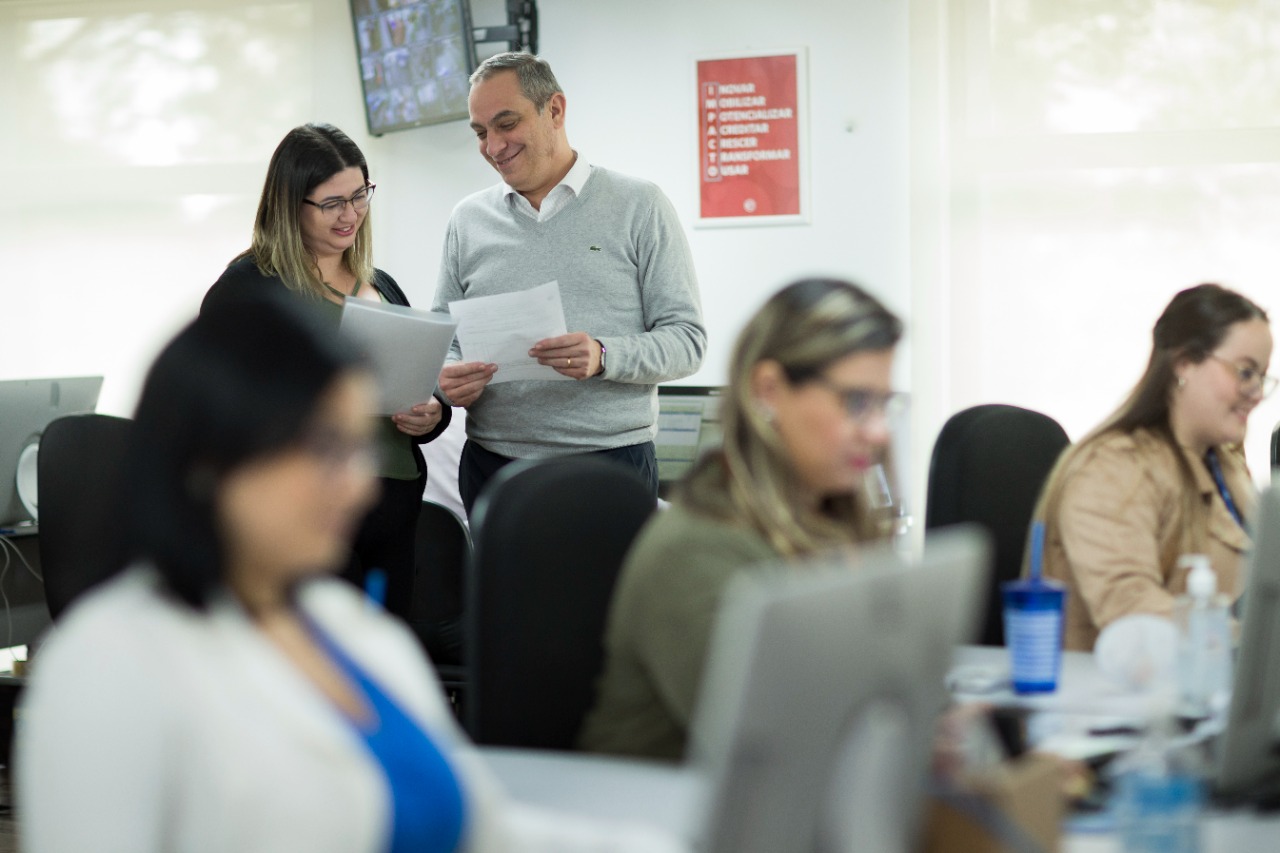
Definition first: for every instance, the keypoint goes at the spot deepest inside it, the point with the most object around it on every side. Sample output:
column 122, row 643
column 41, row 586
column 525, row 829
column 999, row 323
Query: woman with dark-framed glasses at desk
column 806, row 420
column 312, row 237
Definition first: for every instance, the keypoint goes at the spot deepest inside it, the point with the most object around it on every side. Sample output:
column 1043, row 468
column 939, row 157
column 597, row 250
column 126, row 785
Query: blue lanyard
column 1215, row 468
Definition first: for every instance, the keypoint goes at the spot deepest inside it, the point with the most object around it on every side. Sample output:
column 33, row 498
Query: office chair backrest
column 78, row 477
column 988, row 466
column 1275, row 447
column 442, row 552
column 550, row 537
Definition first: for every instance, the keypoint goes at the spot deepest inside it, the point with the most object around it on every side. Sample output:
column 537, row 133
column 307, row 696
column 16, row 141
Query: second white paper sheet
column 501, row 330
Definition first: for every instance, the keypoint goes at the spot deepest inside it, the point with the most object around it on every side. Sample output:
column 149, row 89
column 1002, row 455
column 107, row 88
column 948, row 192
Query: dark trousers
column 386, row 541
column 478, row 465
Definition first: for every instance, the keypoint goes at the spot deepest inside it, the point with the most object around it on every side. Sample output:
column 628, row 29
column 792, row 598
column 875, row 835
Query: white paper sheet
column 502, row 329
column 408, row 347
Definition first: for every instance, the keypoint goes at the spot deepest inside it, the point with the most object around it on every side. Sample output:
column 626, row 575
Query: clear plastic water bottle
column 1161, row 795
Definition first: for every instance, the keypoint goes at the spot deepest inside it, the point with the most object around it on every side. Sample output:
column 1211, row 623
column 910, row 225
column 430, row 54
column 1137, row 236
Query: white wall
column 627, row 70
column 1091, row 160
column 135, row 136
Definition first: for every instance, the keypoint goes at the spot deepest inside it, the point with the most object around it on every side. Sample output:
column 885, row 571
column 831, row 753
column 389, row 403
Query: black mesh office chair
column 988, row 466
column 550, row 537
column 77, row 478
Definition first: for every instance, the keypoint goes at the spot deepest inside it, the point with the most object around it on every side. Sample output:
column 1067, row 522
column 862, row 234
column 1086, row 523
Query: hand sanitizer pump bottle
column 1204, row 642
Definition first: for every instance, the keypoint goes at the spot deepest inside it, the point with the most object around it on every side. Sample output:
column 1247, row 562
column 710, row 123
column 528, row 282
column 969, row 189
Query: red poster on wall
column 750, row 138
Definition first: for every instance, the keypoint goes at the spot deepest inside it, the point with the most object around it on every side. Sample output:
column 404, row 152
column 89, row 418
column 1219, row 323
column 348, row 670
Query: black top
column 242, row 277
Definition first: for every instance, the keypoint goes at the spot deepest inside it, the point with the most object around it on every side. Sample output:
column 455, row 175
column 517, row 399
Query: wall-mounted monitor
column 415, row 59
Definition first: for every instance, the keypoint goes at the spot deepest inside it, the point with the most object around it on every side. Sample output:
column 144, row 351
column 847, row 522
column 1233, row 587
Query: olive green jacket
column 659, row 627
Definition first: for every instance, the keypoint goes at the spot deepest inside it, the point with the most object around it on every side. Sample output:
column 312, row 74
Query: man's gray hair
column 537, row 83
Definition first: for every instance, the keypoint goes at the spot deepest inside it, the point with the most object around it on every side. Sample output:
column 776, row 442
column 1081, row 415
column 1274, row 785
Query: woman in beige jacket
column 1165, row 475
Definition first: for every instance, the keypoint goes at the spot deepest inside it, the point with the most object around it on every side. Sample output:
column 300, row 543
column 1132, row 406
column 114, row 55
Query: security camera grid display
column 415, row 58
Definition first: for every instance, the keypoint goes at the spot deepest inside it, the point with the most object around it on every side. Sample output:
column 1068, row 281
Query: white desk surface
column 666, row 795
column 1081, row 687
column 672, row 797
column 1237, row 832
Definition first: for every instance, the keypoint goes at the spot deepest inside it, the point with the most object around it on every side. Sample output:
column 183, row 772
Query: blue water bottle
column 1033, row 616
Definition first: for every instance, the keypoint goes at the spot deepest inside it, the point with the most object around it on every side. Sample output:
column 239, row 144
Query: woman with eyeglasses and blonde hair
column 312, row 237
column 805, row 416
column 1165, row 474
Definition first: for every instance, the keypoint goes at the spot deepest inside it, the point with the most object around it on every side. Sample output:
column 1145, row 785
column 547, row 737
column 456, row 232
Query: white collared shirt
column 561, row 194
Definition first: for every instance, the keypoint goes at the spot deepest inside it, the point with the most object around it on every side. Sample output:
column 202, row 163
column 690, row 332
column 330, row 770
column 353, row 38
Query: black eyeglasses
column 337, row 452
column 863, row 403
column 333, row 208
column 1252, row 380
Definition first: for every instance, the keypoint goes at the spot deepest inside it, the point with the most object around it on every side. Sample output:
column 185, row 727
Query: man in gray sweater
column 626, row 279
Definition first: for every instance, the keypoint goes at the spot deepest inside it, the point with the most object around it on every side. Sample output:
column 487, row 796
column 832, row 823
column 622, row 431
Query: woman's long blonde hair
column 308, row 156
column 805, row 327
column 1192, row 326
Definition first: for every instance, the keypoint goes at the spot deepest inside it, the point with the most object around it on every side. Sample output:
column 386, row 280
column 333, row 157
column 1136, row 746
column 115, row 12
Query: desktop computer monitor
column 688, row 424
column 815, row 721
column 1248, row 756
column 27, row 406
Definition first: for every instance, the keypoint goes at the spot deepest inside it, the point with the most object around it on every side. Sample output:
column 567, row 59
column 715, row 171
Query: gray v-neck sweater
column 626, row 278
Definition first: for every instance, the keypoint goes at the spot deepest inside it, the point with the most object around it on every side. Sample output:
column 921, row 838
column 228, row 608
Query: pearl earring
column 1182, row 381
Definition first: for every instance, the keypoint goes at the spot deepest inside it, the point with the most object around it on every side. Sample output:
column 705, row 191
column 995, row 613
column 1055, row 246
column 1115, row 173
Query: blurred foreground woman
column 224, row 693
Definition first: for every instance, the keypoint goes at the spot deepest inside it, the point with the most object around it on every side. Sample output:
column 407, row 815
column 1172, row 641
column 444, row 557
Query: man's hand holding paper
column 575, row 355
column 464, row 382
column 501, row 336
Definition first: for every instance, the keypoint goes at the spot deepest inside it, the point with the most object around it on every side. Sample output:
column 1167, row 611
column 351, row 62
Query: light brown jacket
column 1120, row 528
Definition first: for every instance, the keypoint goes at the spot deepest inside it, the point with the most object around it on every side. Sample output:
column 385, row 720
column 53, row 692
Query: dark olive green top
column 659, row 628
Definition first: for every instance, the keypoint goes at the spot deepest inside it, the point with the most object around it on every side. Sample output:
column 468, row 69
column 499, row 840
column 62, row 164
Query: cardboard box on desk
column 1025, row 793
